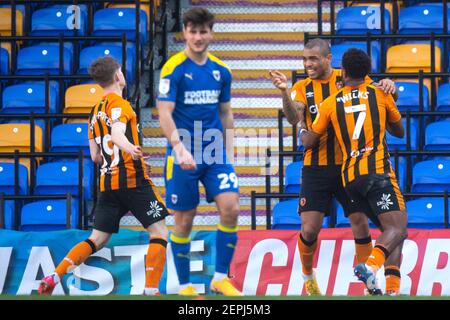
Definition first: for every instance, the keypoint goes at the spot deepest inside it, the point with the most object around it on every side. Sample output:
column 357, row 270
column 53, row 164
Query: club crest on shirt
column 164, row 86
column 216, row 74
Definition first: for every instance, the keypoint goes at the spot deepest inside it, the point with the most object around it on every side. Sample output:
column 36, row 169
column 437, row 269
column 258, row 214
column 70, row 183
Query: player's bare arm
column 120, row 140
column 184, row 157
column 96, row 154
column 292, row 109
column 396, row 129
column 226, row 117
column 309, row 139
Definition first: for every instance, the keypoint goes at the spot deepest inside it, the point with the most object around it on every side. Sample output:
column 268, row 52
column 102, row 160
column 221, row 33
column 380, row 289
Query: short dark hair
column 324, row 46
column 103, row 70
column 356, row 63
column 198, row 17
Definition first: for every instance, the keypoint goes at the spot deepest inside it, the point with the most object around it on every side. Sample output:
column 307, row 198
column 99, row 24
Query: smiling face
column 197, row 38
column 316, row 64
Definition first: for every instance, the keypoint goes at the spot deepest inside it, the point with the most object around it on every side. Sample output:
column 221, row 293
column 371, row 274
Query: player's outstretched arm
column 120, row 140
column 96, row 154
column 292, row 109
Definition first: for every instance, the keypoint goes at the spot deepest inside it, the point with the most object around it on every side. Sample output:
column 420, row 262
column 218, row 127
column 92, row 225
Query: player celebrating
column 194, row 104
column 360, row 115
column 321, row 177
column 124, row 183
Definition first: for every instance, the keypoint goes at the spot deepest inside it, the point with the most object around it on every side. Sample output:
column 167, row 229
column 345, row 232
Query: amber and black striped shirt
column 358, row 116
column 119, row 170
column 311, row 93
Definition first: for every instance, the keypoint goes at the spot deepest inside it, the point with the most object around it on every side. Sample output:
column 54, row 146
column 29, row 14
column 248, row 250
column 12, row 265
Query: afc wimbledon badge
column 164, row 86
column 216, row 74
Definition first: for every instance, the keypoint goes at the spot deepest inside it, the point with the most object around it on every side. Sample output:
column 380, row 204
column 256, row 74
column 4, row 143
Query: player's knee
column 309, row 233
column 158, row 230
column 231, row 212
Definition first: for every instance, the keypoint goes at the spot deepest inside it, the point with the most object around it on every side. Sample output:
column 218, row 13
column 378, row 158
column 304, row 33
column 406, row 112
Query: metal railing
column 82, row 223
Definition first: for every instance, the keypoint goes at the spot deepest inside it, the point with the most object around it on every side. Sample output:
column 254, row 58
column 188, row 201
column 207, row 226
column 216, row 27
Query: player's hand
column 136, row 152
column 184, row 157
column 387, row 85
column 279, row 80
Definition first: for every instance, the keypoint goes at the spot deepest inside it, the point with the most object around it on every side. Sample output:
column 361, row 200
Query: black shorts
column 318, row 186
column 144, row 202
column 375, row 194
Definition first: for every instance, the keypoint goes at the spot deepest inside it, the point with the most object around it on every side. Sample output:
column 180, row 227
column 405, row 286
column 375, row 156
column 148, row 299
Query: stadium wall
column 265, row 263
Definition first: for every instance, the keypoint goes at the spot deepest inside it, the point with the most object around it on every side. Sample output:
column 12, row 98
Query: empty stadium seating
column 115, row 21
column 431, row 176
column 60, row 177
column 81, row 98
column 16, row 136
column 28, row 97
column 47, row 215
column 443, row 98
column 9, row 214
column 286, row 217
column 7, row 178
column 437, row 136
column 293, row 174
column 412, row 58
column 70, row 137
column 338, row 50
column 360, row 20
column 421, row 19
column 408, row 97
column 5, row 22
column 427, row 213
column 41, row 59
column 395, row 143
column 4, row 61
column 66, row 20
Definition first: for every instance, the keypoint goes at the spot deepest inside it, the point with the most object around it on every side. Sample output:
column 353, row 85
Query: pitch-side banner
column 265, row 263
column 268, row 263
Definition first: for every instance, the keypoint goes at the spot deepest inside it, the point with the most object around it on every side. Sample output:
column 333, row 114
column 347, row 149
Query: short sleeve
column 322, row 119
column 393, row 115
column 121, row 112
column 225, row 93
column 298, row 92
column 168, row 86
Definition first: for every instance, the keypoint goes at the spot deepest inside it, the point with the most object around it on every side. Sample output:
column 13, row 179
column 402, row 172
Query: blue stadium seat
column 286, row 217
column 28, row 97
column 431, row 176
column 293, row 174
column 360, row 20
column 115, row 21
column 338, row 50
column 408, row 96
column 41, row 59
column 56, row 20
column 47, row 215
column 4, row 62
column 400, row 143
column 426, row 213
column 443, row 98
column 437, row 136
column 70, row 137
column 7, row 178
column 61, row 177
column 343, row 222
column 9, row 214
column 90, row 54
column 421, row 19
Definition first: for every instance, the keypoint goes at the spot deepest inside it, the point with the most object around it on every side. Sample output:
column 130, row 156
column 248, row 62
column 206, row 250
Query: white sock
column 56, row 277
column 151, row 291
column 219, row 276
column 182, row 286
